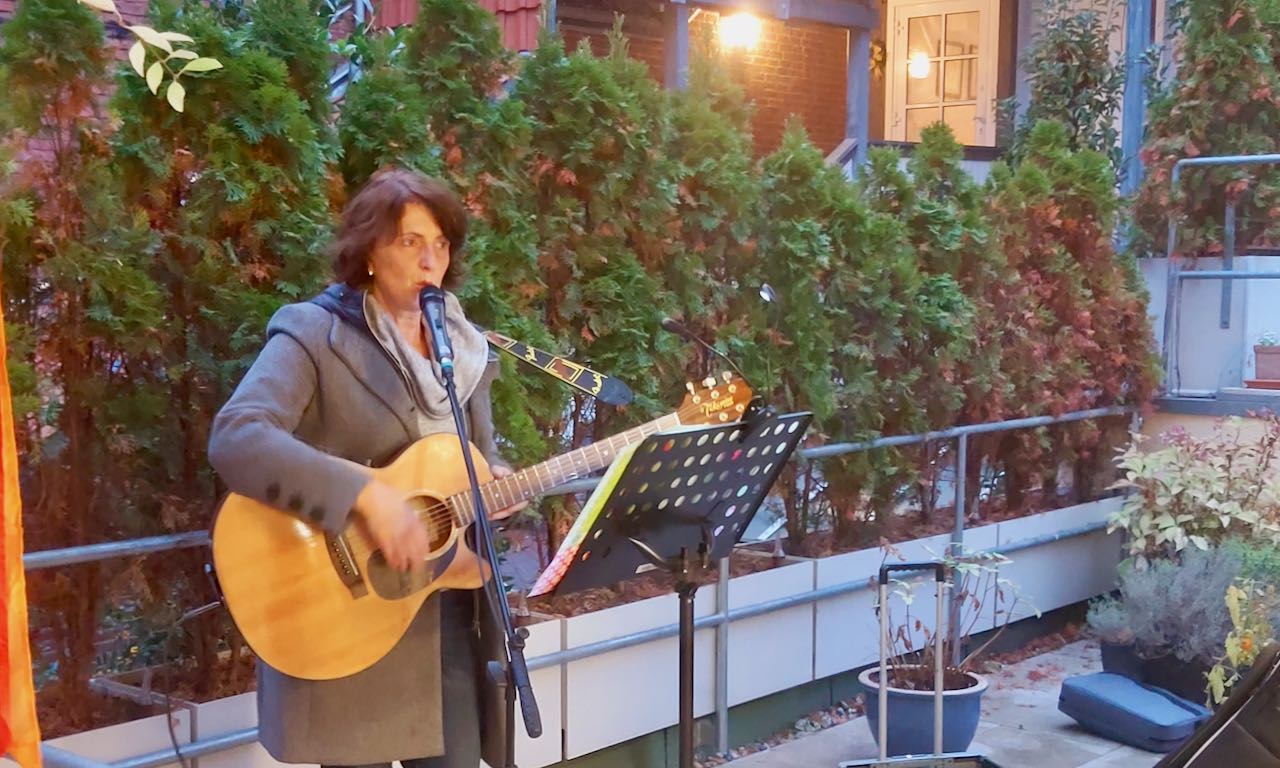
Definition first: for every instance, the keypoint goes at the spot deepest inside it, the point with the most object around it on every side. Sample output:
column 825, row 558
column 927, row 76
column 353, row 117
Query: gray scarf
column 426, row 381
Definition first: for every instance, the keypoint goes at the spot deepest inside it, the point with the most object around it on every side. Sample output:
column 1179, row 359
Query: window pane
column 960, row 80
column 922, row 90
column 963, row 121
column 919, row 119
column 924, row 35
column 962, row 33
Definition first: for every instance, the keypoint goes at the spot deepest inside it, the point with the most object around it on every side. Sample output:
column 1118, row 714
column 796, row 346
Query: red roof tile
column 518, row 19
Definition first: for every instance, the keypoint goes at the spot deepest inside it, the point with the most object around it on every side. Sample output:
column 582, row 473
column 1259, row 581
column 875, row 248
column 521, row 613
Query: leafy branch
column 1251, row 606
column 167, row 55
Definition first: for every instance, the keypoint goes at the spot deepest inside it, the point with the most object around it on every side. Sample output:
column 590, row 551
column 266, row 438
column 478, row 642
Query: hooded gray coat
column 323, row 386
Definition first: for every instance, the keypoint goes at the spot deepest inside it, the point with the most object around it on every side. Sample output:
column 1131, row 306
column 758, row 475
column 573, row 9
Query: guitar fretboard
column 540, row 478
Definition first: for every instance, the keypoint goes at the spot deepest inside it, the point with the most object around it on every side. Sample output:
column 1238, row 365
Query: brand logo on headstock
column 717, row 405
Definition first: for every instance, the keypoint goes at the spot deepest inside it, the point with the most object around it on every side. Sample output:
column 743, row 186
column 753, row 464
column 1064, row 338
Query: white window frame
column 899, row 11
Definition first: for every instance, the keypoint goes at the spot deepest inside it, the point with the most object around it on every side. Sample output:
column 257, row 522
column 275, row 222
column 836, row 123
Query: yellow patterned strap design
column 606, row 389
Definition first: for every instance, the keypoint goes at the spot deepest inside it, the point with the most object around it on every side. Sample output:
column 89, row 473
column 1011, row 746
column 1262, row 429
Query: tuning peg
column 709, row 382
column 726, row 376
column 689, row 386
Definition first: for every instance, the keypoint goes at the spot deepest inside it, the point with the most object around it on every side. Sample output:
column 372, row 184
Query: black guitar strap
column 606, row 389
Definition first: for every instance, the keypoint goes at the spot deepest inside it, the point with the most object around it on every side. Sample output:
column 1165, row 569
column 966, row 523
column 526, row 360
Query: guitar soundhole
column 436, row 517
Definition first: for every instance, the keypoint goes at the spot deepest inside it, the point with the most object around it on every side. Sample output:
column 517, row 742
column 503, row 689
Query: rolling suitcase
column 938, row 759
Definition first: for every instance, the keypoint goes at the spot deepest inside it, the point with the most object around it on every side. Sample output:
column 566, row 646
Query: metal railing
column 1174, row 276
column 720, row 621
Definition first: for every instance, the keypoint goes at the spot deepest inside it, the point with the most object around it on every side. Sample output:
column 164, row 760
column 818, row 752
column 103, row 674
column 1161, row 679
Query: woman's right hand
column 395, row 527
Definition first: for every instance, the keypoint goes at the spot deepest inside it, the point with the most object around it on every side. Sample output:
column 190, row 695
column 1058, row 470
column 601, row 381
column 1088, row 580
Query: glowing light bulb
column 918, row 65
column 741, row 30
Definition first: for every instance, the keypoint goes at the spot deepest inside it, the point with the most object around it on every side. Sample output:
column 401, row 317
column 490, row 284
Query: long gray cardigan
column 323, row 386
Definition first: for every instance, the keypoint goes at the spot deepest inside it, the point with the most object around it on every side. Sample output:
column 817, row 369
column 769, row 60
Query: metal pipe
column 686, row 592
column 957, row 543
column 61, row 758
column 87, row 554
column 1049, row 538
column 858, row 94
column 1228, row 261
column 1271, row 159
column 961, row 489
column 722, row 659
column 195, row 749
column 1170, row 286
column 1137, row 32
column 939, row 679
column 1226, row 274
column 882, row 677
column 837, row 449
column 92, row 552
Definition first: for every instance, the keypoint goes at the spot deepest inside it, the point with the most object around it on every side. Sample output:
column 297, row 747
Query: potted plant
column 1109, row 617
column 1169, row 621
column 973, row 578
column 1266, row 355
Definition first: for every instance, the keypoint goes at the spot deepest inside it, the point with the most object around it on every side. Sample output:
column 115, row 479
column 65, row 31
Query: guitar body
column 319, row 607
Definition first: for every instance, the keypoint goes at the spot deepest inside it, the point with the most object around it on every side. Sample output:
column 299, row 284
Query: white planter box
column 1062, row 572
column 774, row 651
column 620, row 695
column 125, row 740
column 593, row 703
column 235, row 713
column 846, row 627
column 545, row 637
column 223, row 716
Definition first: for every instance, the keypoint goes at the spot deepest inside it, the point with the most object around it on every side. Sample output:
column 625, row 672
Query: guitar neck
column 540, row 478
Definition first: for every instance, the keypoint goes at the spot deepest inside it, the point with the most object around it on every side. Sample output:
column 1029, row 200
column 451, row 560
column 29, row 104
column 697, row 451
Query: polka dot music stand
column 680, row 504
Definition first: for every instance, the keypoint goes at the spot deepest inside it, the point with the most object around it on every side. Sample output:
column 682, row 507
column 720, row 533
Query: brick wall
column 651, row 51
column 117, row 38
column 133, row 11
column 797, row 68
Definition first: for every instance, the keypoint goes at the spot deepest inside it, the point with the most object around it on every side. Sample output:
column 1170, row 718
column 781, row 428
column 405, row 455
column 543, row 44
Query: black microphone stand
column 517, row 672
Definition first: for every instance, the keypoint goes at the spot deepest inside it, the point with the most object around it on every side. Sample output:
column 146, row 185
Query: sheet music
column 555, row 571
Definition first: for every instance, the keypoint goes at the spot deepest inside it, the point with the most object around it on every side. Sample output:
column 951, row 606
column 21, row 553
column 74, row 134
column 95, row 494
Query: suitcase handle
column 939, row 570
column 939, row 576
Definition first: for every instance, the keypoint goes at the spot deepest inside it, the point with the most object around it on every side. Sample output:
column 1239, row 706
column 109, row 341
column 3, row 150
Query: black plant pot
column 1182, row 678
column 1122, row 660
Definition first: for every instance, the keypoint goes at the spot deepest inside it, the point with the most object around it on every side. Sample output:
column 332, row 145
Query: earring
column 370, row 271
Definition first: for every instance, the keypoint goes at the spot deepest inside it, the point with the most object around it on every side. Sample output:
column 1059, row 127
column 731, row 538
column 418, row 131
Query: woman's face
column 416, row 257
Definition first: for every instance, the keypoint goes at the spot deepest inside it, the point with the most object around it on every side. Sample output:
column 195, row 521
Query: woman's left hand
column 502, row 514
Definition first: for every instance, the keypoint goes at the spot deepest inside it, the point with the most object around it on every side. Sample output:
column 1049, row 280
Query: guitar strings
column 437, row 514
column 440, row 512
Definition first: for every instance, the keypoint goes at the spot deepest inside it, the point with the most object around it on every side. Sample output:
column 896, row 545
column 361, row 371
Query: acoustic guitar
column 318, row 606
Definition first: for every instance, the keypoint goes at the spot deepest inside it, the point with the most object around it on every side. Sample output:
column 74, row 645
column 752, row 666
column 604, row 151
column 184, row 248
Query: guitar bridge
column 344, row 564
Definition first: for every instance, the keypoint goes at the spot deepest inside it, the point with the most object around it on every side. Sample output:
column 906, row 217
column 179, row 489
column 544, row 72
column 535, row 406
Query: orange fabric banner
column 19, row 731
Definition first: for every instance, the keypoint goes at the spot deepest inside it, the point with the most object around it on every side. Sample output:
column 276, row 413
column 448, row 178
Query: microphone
column 431, row 300
column 676, row 327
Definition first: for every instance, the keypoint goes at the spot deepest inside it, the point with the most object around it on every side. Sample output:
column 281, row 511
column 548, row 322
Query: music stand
column 680, row 505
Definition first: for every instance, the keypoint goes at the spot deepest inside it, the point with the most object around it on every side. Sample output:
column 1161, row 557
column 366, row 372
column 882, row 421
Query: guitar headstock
column 715, row 400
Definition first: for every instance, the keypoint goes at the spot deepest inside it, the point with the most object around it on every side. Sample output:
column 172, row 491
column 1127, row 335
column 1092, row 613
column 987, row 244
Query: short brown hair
column 372, row 218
